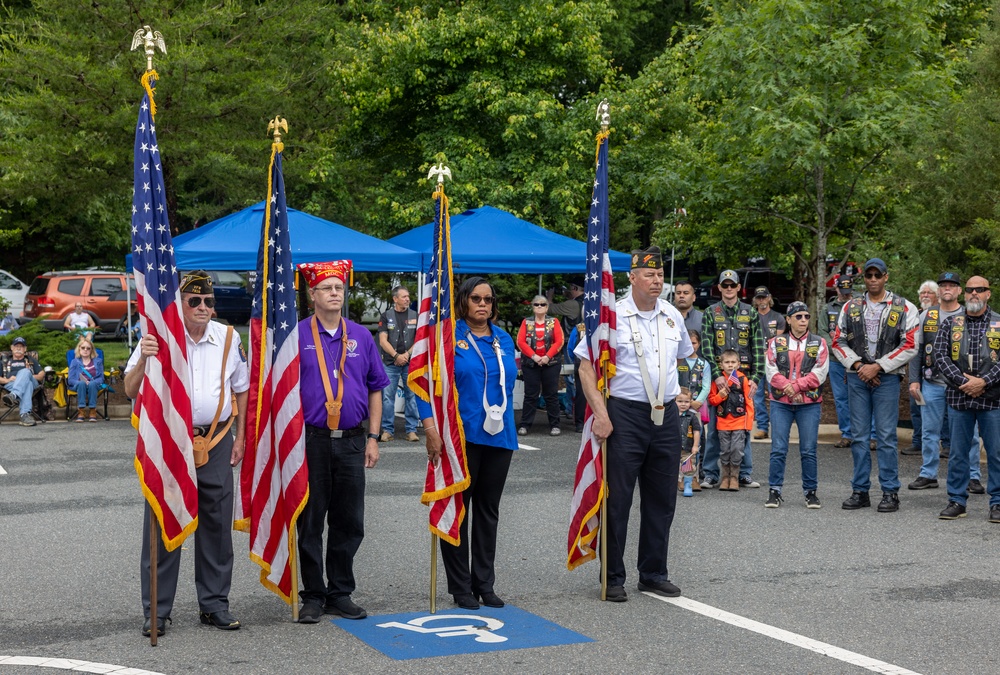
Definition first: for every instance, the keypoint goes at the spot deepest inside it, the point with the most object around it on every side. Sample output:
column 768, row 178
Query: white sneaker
column 521, row 431
column 554, row 431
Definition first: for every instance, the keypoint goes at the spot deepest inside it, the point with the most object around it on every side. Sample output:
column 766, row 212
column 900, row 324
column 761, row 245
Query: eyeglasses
column 539, row 304
column 801, row 317
column 873, row 275
column 728, row 285
column 481, row 299
column 325, row 289
column 84, row 349
column 976, row 289
column 197, row 300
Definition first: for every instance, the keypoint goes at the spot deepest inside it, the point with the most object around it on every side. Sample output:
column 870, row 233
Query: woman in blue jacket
column 86, row 375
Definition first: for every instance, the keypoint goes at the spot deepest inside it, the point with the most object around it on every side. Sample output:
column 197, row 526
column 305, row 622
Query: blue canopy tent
column 489, row 241
column 231, row 243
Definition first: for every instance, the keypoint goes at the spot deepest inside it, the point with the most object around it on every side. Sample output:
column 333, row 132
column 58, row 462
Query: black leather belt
column 641, row 405
column 336, row 433
column 203, row 430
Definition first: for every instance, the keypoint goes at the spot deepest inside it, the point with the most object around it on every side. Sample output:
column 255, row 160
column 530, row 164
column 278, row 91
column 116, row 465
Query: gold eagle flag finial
column 441, row 171
column 276, row 126
column 150, row 39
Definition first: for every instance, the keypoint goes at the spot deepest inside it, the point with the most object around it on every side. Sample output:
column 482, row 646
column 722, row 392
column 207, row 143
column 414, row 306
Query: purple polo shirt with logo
column 363, row 368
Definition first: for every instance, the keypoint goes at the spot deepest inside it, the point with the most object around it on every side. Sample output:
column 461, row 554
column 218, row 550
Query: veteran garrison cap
column 649, row 258
column 198, row 282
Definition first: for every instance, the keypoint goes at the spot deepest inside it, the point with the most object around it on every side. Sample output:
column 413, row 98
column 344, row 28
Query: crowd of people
column 681, row 408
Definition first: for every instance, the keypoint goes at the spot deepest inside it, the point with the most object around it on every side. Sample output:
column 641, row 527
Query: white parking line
column 72, row 664
column 2, row 472
column 795, row 639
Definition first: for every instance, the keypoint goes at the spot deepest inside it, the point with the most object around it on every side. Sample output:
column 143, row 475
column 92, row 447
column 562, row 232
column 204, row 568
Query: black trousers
column 580, row 403
column 640, row 451
column 488, row 466
column 213, row 541
column 336, row 500
column 544, row 380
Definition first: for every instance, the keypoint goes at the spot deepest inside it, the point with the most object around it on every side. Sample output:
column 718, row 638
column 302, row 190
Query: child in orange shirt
column 733, row 417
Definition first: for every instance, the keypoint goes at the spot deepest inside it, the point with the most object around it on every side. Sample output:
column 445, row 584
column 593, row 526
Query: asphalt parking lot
column 907, row 591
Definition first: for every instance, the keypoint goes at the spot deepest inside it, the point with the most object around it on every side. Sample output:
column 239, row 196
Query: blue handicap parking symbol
column 419, row 635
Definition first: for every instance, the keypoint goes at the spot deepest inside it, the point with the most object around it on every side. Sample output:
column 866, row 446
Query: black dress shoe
column 857, row 500
column 617, row 594
column 161, row 626
column 222, row 620
column 664, row 588
column 889, row 503
column 491, row 599
column 311, row 612
column 976, row 487
column 466, row 601
column 345, row 607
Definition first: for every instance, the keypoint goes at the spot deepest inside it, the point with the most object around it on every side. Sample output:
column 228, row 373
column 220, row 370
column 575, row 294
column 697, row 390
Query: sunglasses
column 873, row 275
column 84, row 349
column 539, row 304
column 801, row 317
column 481, row 299
column 728, row 285
column 195, row 301
column 977, row 289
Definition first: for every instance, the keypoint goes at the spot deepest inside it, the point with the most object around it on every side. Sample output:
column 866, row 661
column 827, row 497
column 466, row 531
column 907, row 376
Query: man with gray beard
column 966, row 353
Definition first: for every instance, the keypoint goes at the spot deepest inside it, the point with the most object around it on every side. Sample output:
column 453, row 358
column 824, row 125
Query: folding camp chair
column 39, row 403
column 105, row 390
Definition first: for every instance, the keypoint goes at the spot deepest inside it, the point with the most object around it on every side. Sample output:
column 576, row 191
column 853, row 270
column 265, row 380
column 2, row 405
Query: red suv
column 53, row 295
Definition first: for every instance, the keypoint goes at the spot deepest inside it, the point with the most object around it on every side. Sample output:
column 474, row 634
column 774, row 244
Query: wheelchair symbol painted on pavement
column 483, row 632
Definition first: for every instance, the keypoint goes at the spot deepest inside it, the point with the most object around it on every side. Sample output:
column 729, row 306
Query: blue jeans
column 760, row 416
column 878, row 405
column 839, row 387
column 23, row 387
column 963, row 423
column 935, row 416
column 86, row 394
column 917, row 418
column 806, row 418
column 710, row 464
column 397, row 373
column 946, row 430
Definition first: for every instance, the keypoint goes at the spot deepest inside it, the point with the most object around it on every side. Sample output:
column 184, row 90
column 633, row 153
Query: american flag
column 163, row 452
column 274, row 480
column 734, row 379
column 600, row 321
column 432, row 367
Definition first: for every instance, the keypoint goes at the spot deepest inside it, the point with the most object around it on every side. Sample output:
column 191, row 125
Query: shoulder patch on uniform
column 243, row 353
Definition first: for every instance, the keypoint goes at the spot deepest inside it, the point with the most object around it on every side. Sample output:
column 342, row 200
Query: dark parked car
column 781, row 287
column 233, row 296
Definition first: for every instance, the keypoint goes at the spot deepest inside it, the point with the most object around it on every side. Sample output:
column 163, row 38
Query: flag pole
column 154, row 545
column 605, row 118
column 150, row 41
column 293, row 563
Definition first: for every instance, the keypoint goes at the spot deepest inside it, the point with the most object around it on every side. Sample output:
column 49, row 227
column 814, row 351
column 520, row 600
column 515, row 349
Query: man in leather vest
column 826, row 324
column 967, row 354
column 397, row 328
column 731, row 324
column 874, row 340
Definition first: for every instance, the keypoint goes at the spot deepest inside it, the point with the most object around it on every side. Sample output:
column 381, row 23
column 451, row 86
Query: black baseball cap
column 19, row 341
column 950, row 277
column 761, row 292
column 845, row 282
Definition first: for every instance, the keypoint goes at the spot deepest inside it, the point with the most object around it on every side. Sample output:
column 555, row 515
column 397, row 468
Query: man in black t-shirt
column 397, row 328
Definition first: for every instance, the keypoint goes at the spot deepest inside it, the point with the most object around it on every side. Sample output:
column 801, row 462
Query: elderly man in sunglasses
column 874, row 340
column 219, row 375
column 966, row 353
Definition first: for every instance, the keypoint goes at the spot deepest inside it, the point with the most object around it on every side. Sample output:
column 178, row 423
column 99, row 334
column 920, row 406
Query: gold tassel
column 147, row 85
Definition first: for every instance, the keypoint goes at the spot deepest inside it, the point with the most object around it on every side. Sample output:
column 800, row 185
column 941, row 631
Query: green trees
column 802, row 105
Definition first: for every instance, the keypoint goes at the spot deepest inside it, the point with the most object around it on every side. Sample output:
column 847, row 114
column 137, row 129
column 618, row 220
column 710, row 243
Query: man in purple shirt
column 341, row 386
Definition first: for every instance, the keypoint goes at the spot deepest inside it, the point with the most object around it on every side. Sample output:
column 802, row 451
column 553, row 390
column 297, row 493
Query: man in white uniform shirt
column 213, row 547
column 641, row 424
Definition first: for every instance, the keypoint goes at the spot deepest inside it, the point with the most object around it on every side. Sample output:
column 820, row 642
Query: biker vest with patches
column 890, row 335
column 687, row 431
column 735, row 404
column 989, row 349
column 734, row 334
column 932, row 322
column 784, row 363
column 692, row 377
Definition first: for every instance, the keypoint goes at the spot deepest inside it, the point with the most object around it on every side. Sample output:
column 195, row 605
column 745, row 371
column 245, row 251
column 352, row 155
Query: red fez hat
column 317, row 272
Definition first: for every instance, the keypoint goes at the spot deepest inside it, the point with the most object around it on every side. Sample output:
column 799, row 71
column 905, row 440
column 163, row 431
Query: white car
column 13, row 290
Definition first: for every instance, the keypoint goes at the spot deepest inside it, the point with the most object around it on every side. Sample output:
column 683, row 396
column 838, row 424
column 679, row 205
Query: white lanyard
column 656, row 401
column 493, row 424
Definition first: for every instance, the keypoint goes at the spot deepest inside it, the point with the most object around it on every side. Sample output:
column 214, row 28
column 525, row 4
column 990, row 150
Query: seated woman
column 80, row 322
column 86, row 375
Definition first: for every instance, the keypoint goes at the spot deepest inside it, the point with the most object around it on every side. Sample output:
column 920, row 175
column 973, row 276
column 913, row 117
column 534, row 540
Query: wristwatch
column 373, row 436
